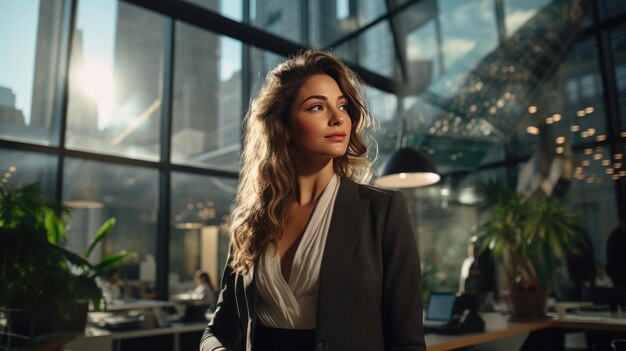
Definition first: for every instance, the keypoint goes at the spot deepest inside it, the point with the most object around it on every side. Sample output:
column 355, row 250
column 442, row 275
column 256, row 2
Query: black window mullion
column 70, row 9
column 165, row 173
column 610, row 98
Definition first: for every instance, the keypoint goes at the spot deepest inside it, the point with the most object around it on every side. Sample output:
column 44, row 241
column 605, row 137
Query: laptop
column 439, row 308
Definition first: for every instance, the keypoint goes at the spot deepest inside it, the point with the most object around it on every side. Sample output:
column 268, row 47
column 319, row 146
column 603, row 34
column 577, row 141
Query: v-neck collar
column 315, row 219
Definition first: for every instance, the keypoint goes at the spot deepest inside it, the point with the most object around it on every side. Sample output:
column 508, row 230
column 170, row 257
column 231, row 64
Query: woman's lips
column 339, row 136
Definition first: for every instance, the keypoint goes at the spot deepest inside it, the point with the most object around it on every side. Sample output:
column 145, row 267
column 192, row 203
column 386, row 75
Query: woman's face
column 320, row 124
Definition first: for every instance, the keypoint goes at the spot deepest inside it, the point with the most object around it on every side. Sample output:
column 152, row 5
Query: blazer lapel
column 343, row 234
column 250, row 296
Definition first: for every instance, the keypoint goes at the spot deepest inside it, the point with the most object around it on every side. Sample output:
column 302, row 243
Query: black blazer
column 369, row 281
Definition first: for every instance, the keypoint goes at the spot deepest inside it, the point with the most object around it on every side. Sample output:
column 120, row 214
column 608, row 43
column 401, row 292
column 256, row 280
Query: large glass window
column 115, row 86
column 21, row 167
column 200, row 207
column 478, row 106
column 419, row 33
column 618, row 44
column 614, row 7
column 330, row 21
column 592, row 194
column 284, row 18
column 581, row 94
column 519, row 12
column 31, row 37
column 98, row 191
column 231, row 8
column 468, row 30
column 207, row 109
column 261, row 62
column 373, row 50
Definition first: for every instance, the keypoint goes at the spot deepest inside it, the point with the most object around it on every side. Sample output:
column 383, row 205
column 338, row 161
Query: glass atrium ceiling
column 466, row 75
column 460, row 75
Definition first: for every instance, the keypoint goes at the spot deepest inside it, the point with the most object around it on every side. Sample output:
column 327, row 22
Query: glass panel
column 115, row 90
column 376, row 51
column 372, row 50
column 284, row 18
column 231, row 8
column 329, row 21
column 97, row 191
column 443, row 244
column 519, row 12
column 261, row 62
column 580, row 94
column 468, row 35
column 592, row 193
column 21, row 167
column 614, row 8
column 618, row 44
column 207, row 99
column 29, row 75
column 369, row 10
column 418, row 32
column 200, row 207
column 567, row 112
column 383, row 106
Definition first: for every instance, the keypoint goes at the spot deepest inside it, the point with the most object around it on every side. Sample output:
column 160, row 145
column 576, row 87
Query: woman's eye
column 344, row 107
column 315, row 108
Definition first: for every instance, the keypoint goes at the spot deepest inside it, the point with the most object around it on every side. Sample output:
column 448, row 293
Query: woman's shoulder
column 374, row 193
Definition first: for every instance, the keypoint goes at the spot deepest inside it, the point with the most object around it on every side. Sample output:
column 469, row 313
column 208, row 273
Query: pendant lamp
column 407, row 168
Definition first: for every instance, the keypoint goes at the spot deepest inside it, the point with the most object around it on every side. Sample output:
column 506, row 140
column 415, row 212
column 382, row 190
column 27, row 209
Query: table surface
column 498, row 326
column 612, row 321
column 135, row 333
column 137, row 305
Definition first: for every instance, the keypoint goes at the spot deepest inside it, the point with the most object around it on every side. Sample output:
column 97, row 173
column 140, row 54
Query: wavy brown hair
column 267, row 180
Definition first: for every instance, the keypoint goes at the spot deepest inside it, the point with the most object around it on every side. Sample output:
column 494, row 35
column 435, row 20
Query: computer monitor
column 439, row 308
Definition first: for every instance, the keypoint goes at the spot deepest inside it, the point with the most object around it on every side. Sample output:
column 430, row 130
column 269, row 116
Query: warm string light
column 614, row 168
column 8, row 174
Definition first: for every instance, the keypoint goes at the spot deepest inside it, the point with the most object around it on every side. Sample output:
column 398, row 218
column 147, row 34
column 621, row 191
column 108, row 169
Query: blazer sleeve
column 224, row 329
column 402, row 306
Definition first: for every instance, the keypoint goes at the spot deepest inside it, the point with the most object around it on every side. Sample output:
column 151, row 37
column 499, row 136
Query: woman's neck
column 311, row 182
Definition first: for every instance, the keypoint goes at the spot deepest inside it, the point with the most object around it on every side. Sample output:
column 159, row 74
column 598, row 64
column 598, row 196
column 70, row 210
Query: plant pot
column 526, row 305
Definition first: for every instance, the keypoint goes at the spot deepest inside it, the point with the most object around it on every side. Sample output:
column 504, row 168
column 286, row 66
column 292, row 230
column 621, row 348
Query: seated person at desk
column 196, row 302
column 204, row 291
column 477, row 271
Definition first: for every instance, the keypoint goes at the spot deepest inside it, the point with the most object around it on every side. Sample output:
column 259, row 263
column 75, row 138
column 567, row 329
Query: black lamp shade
column 407, row 168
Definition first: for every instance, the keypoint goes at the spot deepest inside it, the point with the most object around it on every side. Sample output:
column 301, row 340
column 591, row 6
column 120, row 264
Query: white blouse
column 293, row 304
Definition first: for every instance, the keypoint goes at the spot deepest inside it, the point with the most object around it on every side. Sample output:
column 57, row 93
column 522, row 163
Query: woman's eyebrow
column 321, row 97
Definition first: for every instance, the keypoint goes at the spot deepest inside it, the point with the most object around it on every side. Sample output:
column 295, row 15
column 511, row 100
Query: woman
column 317, row 260
column 204, row 290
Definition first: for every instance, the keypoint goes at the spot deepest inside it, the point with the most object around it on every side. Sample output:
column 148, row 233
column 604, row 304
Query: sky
column 18, row 30
column 96, row 20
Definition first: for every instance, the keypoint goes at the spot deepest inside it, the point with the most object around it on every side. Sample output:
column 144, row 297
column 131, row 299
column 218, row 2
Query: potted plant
column 529, row 236
column 46, row 288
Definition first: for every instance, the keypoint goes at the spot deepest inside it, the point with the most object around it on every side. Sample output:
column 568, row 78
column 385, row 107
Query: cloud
column 517, row 19
column 454, row 49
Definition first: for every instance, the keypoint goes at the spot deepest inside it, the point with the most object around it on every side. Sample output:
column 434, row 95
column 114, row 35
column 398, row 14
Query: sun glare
column 96, row 81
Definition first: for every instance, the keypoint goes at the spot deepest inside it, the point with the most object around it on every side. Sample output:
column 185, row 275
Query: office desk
column 172, row 338
column 497, row 328
column 137, row 305
column 609, row 323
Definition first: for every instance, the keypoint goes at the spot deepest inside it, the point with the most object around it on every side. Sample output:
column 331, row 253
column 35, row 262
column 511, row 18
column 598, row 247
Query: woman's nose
column 337, row 117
